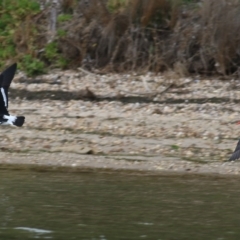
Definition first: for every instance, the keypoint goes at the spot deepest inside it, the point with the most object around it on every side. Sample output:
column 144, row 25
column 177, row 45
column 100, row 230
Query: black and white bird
column 6, row 78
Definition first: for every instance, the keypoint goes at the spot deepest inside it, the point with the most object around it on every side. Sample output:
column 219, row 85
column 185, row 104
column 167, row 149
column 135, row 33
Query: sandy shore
column 123, row 122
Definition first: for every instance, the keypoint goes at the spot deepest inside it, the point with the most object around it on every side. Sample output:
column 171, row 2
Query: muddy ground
column 133, row 122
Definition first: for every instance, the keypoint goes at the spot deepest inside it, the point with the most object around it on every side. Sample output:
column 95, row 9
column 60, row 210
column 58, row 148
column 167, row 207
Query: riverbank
column 123, row 122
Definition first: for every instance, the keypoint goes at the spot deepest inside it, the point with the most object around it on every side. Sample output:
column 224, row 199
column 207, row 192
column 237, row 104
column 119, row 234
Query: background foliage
column 188, row 36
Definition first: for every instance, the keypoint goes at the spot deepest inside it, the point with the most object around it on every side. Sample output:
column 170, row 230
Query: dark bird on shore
column 6, row 78
column 236, row 153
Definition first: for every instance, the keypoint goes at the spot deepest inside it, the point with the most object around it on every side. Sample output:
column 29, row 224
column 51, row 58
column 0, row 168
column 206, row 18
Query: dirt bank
column 135, row 122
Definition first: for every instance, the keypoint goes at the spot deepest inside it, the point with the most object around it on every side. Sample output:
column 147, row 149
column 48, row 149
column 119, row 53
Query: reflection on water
column 111, row 206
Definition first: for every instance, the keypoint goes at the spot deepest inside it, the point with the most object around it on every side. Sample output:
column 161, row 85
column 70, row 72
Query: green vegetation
column 53, row 56
column 61, row 33
column 116, row 5
column 64, row 17
column 51, row 51
column 13, row 15
column 32, row 66
column 19, row 33
column 175, row 147
column 62, row 62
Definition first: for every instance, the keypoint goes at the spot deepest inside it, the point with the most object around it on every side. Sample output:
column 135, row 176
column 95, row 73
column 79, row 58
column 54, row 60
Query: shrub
column 32, row 66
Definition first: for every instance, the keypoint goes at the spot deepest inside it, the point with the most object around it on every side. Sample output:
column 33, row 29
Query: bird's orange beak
column 238, row 123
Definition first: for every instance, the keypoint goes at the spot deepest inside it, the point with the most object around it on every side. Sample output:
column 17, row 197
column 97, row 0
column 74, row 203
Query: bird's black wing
column 236, row 153
column 3, row 108
column 6, row 78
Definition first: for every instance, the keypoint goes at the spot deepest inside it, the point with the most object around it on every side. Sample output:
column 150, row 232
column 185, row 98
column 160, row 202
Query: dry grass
column 221, row 39
column 126, row 37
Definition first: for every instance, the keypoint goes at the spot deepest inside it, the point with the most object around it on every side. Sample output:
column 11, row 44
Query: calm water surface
column 68, row 206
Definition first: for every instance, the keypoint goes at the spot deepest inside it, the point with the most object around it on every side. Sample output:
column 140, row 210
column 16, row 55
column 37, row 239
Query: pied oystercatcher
column 6, row 78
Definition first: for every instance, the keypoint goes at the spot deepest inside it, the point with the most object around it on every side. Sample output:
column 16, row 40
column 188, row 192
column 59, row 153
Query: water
column 96, row 206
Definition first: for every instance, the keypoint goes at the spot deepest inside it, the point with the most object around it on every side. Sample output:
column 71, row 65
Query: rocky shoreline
column 131, row 122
